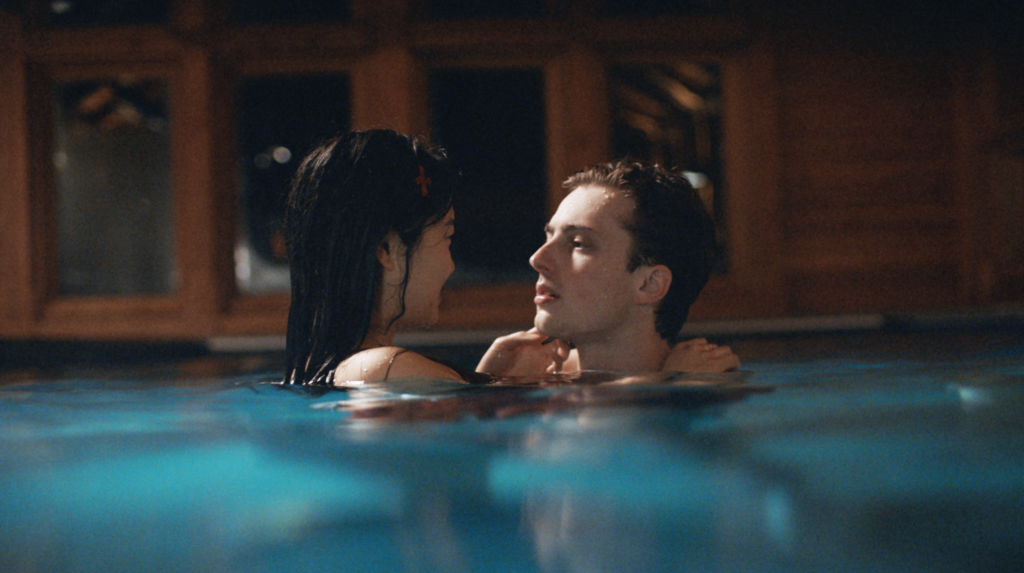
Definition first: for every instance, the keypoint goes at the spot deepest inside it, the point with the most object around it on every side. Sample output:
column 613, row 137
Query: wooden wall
column 886, row 123
column 875, row 159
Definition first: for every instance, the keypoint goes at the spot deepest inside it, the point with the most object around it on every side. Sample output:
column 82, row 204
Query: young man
column 627, row 253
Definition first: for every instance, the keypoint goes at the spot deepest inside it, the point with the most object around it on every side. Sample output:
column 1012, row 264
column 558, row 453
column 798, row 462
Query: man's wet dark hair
column 670, row 226
column 345, row 197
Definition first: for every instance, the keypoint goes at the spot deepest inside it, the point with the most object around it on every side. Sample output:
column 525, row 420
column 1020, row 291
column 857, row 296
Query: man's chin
column 546, row 325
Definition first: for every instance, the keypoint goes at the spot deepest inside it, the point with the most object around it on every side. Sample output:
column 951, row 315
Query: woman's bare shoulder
column 409, row 363
column 377, row 364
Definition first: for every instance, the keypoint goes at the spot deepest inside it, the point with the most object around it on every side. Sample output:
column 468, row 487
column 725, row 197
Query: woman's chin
column 425, row 320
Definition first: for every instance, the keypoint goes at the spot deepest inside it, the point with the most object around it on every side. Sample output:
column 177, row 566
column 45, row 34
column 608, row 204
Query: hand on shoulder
column 699, row 355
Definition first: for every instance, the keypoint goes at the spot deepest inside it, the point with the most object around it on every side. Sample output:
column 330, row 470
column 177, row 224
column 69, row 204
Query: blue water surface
column 840, row 463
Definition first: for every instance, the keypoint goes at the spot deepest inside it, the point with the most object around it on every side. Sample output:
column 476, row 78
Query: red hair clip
column 423, row 180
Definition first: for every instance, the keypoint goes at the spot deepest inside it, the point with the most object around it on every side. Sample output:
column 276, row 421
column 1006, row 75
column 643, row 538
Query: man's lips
column 544, row 295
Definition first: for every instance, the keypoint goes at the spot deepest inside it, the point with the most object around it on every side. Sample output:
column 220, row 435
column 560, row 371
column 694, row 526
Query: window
column 112, row 171
column 148, row 149
column 671, row 114
column 491, row 122
column 280, row 119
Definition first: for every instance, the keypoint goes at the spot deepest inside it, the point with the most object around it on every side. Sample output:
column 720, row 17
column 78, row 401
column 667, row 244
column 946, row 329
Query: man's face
column 584, row 291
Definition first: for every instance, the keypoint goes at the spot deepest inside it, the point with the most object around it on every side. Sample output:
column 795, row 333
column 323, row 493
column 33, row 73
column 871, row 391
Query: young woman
column 369, row 224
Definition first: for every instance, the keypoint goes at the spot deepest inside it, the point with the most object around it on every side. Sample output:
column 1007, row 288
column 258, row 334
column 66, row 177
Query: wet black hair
column 346, row 196
column 670, row 226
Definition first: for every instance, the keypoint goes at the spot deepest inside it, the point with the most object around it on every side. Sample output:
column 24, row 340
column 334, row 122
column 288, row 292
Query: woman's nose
column 450, row 265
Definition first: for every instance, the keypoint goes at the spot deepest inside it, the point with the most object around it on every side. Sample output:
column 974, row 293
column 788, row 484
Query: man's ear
column 389, row 251
column 656, row 280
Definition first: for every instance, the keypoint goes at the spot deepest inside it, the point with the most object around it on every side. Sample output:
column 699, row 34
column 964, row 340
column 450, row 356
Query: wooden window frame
column 388, row 59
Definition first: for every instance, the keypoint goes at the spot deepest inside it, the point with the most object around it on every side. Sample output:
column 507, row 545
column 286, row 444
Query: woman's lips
column 544, row 295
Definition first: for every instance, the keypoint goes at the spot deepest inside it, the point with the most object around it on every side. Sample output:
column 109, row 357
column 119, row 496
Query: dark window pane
column 484, row 9
column 663, row 7
column 296, row 11
column 280, row 118
column 112, row 163
column 106, row 12
column 672, row 114
column 492, row 124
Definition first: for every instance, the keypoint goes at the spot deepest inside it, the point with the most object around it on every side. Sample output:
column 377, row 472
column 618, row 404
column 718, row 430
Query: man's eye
column 578, row 244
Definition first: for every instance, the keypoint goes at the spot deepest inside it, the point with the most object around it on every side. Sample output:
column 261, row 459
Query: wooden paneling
column 16, row 301
column 576, row 90
column 753, row 167
column 308, row 42
column 201, row 172
column 389, row 90
column 822, row 180
column 874, row 158
column 867, row 247
column 901, row 287
column 94, row 45
column 871, row 216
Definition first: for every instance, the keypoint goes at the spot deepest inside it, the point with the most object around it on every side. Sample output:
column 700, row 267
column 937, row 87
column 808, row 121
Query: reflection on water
column 845, row 465
column 427, row 399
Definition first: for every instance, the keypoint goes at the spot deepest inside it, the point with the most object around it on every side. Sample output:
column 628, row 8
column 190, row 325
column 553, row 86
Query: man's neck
column 628, row 352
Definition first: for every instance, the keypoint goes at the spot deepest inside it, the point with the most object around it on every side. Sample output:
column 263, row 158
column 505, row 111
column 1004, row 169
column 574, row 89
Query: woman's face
column 429, row 267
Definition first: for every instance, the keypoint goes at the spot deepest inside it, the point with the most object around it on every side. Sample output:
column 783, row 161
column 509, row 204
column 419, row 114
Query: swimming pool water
column 842, row 463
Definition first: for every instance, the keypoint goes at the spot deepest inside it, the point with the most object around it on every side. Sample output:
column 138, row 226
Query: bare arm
column 530, row 353
column 526, row 353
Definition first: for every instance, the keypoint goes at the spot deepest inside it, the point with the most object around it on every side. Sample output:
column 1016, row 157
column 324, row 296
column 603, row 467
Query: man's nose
column 539, row 259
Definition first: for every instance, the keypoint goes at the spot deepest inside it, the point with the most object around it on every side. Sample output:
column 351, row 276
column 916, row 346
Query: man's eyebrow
column 568, row 229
